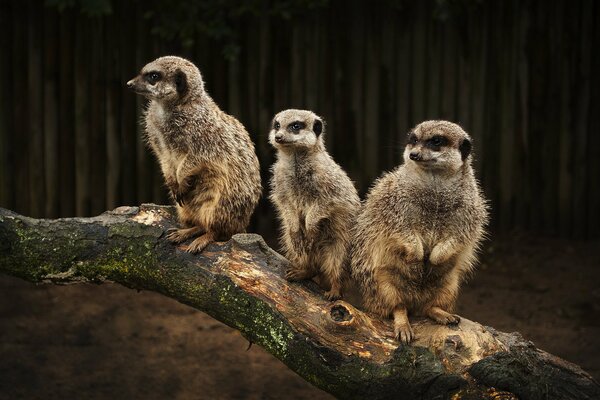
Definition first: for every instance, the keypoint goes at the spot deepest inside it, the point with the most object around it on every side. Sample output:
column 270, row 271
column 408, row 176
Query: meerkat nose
column 130, row 84
column 415, row 156
column 278, row 138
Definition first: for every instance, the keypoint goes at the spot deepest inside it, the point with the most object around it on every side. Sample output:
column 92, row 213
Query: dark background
column 520, row 76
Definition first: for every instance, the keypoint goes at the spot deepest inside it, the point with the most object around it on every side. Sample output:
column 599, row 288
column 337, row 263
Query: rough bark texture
column 333, row 345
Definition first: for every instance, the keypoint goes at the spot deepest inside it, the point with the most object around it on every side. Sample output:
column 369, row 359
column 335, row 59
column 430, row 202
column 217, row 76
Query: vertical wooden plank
column 20, row 109
column 145, row 165
column 35, row 110
column 325, row 82
column 433, row 65
column 419, row 63
column 356, row 78
column 112, row 106
column 50, row 106
column 128, row 129
column 506, row 132
column 82, row 114
column 466, row 54
column 371, row 132
column 449, row 63
column 66, row 115
column 297, row 73
column 563, row 131
column 524, row 205
column 97, row 119
column 582, row 113
column 402, row 87
column 7, row 172
column 549, row 108
column 593, row 211
column 309, row 50
column 478, row 54
column 388, row 131
column 264, row 101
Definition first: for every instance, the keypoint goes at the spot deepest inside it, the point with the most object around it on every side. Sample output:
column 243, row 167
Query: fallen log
column 332, row 345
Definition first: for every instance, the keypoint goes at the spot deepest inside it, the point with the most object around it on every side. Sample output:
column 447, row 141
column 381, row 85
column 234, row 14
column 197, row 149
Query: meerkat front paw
column 404, row 333
column 200, row 243
column 334, row 293
column 414, row 252
column 442, row 317
column 175, row 235
column 298, row 274
column 441, row 253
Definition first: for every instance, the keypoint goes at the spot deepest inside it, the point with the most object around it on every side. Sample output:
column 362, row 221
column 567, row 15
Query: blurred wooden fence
column 520, row 76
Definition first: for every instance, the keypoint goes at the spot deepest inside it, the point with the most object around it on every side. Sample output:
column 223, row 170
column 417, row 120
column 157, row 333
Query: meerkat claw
column 332, row 295
column 404, row 334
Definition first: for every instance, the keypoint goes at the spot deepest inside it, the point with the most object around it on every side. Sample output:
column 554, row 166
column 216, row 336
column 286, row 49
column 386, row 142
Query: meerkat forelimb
column 419, row 229
column 316, row 201
column 206, row 156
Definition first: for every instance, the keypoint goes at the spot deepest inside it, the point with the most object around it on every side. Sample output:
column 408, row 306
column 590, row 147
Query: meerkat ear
column 181, row 82
column 318, row 127
column 465, row 148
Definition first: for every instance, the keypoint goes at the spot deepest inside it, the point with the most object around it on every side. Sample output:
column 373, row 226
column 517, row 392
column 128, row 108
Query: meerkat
column 419, row 229
column 206, row 156
column 315, row 200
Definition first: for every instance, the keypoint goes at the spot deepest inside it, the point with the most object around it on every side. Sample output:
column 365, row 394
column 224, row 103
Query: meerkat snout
column 415, row 156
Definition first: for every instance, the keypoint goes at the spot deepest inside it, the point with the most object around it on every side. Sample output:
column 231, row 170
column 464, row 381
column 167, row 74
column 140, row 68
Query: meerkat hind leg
column 442, row 317
column 402, row 328
column 176, row 235
column 201, row 242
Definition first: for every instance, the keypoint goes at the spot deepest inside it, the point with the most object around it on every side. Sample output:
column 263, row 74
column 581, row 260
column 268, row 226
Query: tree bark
column 332, row 345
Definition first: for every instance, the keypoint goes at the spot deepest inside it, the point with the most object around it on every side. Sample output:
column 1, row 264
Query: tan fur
column 419, row 229
column 315, row 200
column 206, row 156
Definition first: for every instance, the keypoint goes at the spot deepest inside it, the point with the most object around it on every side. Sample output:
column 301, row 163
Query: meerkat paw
column 200, row 243
column 439, row 254
column 333, row 294
column 297, row 274
column 404, row 333
column 175, row 235
column 442, row 317
column 414, row 253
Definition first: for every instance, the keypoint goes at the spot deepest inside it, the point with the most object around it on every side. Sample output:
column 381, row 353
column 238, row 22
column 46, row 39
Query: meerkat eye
column 438, row 141
column 152, row 77
column 296, row 126
column 276, row 125
column 412, row 139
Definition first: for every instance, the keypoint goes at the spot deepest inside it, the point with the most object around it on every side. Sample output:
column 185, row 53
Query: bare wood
column 332, row 345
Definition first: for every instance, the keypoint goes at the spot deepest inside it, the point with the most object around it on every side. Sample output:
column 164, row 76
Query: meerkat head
column 438, row 145
column 297, row 129
column 168, row 79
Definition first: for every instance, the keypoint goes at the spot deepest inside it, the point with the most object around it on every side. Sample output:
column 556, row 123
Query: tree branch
column 334, row 346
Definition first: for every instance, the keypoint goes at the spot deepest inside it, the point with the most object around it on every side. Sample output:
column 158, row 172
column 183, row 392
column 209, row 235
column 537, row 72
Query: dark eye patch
column 436, row 142
column 152, row 77
column 412, row 139
column 276, row 125
column 296, row 126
